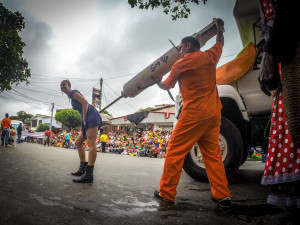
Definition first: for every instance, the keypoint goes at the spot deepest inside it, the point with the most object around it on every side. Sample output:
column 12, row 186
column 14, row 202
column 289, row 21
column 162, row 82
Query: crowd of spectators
column 139, row 143
column 56, row 139
column 136, row 143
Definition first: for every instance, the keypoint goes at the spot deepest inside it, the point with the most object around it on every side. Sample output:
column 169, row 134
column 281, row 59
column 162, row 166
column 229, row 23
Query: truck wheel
column 231, row 145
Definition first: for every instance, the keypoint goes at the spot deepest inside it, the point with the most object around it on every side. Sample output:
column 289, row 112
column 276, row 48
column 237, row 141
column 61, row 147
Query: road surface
column 36, row 188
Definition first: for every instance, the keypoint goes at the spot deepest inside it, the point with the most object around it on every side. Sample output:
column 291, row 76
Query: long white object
column 163, row 65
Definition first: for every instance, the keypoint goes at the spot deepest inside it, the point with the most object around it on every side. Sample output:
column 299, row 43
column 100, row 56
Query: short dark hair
column 189, row 39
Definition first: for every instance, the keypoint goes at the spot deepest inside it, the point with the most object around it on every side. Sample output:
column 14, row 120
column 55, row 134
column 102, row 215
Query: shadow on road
column 245, row 176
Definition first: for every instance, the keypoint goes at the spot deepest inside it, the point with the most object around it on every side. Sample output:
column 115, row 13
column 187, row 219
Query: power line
column 118, row 95
column 46, row 93
column 53, row 92
column 28, row 97
column 64, row 77
column 126, row 75
column 59, row 95
column 34, row 99
column 86, row 79
column 58, row 82
column 18, row 100
column 106, row 102
column 92, row 87
column 45, row 88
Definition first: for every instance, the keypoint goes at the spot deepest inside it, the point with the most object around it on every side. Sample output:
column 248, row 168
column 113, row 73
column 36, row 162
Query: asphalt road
column 36, row 188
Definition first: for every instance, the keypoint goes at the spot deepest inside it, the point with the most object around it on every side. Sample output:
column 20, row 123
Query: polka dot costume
column 268, row 9
column 283, row 160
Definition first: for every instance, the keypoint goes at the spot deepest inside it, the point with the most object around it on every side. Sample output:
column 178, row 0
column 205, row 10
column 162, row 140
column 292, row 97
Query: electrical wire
column 45, row 88
column 34, row 99
column 59, row 95
column 19, row 100
column 81, row 79
column 28, row 97
column 103, row 94
column 64, row 77
column 118, row 95
column 46, row 93
column 98, row 82
column 126, row 75
column 58, row 82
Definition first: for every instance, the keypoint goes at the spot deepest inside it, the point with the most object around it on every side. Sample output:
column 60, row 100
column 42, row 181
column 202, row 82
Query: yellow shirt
column 103, row 138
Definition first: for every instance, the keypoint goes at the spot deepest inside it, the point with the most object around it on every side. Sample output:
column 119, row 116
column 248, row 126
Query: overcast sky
column 84, row 41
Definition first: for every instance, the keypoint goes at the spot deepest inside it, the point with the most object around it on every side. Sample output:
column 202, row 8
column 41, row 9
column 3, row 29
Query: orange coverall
column 199, row 122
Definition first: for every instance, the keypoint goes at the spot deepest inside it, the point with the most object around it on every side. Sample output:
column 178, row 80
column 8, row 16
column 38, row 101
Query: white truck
column 246, row 109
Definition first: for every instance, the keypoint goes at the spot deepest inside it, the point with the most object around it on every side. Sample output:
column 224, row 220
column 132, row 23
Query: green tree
column 13, row 118
column 146, row 109
column 13, row 67
column 177, row 8
column 69, row 117
column 24, row 117
column 106, row 112
column 42, row 127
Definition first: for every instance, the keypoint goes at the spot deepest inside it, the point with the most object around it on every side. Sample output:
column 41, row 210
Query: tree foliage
column 177, row 8
column 13, row 67
column 106, row 112
column 146, row 109
column 24, row 117
column 42, row 127
column 69, row 117
column 13, row 118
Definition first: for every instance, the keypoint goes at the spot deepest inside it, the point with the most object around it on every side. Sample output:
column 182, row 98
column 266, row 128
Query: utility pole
column 100, row 94
column 51, row 116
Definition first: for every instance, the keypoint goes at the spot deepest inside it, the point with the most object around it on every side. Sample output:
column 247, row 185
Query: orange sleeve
column 215, row 52
column 173, row 77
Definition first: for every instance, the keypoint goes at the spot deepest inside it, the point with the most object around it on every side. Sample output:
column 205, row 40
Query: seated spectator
column 72, row 144
column 110, row 147
column 141, row 151
column 133, row 151
column 98, row 147
column 162, row 152
column 86, row 147
column 154, row 152
column 118, row 149
column 125, row 152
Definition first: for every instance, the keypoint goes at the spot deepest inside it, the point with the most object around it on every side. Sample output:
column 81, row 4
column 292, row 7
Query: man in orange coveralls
column 6, row 124
column 200, row 118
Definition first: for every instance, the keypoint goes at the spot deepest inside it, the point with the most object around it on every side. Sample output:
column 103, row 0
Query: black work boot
column 87, row 177
column 81, row 169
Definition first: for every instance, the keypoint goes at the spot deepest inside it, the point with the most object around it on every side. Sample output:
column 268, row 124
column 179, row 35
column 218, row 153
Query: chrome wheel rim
column 197, row 157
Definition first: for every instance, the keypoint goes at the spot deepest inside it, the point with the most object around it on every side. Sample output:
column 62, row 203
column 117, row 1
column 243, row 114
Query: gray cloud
column 126, row 41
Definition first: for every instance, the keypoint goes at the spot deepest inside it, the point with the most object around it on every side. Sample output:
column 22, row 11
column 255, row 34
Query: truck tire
column 231, row 144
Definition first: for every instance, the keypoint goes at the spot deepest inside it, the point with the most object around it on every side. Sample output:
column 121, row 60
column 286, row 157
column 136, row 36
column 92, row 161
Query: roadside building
column 106, row 122
column 39, row 118
column 162, row 117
